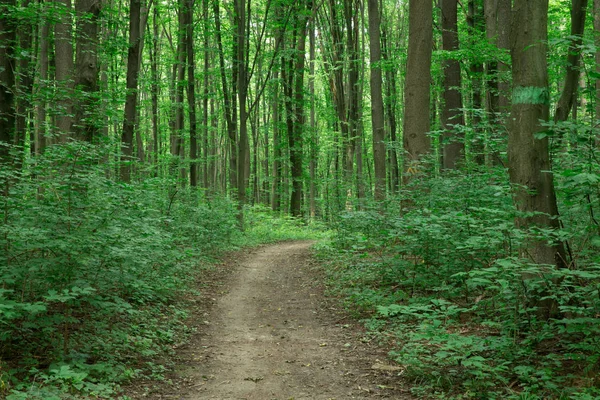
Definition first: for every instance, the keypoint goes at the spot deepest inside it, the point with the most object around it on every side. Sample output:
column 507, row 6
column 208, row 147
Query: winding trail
column 271, row 336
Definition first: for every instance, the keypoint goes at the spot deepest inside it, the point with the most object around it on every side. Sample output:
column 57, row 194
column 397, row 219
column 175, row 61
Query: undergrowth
column 441, row 283
column 93, row 273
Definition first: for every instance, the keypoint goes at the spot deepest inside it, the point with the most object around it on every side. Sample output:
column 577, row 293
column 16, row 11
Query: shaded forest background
column 450, row 148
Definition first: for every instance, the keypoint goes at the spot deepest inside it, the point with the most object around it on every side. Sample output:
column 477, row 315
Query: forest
column 444, row 154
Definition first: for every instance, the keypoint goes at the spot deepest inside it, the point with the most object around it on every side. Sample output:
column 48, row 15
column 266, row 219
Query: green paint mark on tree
column 530, row 95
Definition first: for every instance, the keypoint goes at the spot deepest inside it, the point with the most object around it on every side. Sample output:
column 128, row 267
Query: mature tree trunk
column 503, row 43
column 206, row 93
column 133, row 64
column 154, row 88
column 7, row 80
column 476, row 72
column 377, row 111
column 597, row 42
column 179, row 142
column 417, row 84
column 42, row 85
column 392, row 99
column 25, row 80
column 63, row 60
column 452, row 114
column 569, row 92
column 243, row 166
column 490, row 8
column 276, row 174
column 313, row 128
column 230, row 113
column 191, row 92
column 86, row 68
column 528, row 155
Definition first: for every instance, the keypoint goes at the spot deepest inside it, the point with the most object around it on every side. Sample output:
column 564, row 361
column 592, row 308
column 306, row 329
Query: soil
column 265, row 331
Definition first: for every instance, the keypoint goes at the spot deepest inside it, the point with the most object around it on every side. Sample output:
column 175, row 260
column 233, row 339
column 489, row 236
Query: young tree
column 528, row 154
column 418, row 79
column 377, row 110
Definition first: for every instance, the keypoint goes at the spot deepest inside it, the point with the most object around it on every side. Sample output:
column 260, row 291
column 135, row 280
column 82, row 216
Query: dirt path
column 270, row 336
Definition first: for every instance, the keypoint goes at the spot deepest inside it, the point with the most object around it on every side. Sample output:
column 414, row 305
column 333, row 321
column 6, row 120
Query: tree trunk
column 503, row 29
column 205, row 147
column 417, row 85
column 24, row 83
column 243, row 170
column 86, row 69
column 528, row 155
column 569, row 92
column 377, row 111
column 276, row 174
column 191, row 92
column 154, row 87
column 230, row 114
column 40, row 125
column 63, row 58
column 133, row 64
column 392, row 99
column 452, row 114
column 312, row 193
column 597, row 42
column 476, row 72
column 7, row 80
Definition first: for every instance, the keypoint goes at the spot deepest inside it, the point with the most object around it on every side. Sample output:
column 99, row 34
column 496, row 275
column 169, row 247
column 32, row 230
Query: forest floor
column 265, row 331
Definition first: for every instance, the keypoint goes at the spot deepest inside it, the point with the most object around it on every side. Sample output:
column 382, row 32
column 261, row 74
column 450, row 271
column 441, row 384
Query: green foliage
column 92, row 272
column 442, row 282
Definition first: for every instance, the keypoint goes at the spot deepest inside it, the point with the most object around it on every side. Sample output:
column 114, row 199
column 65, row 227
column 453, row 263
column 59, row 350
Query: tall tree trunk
column 135, row 39
column 191, row 93
column 503, row 43
column 452, row 114
column 243, row 170
column 7, row 79
column 569, row 92
column 377, row 111
column 205, row 147
column 528, row 156
column 276, row 173
column 476, row 72
column 313, row 128
column 42, row 85
column 417, row 84
column 230, row 113
column 25, row 80
column 180, row 87
column 63, row 59
column 597, row 42
column 154, row 88
column 86, row 68
column 392, row 99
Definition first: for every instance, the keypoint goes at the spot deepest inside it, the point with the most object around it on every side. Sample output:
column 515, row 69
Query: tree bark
column 133, row 64
column 63, row 58
column 191, row 93
column 528, row 155
column 569, row 91
column 377, row 110
column 452, row 114
column 597, row 42
column 42, row 85
column 86, row 68
column 417, row 85
column 7, row 80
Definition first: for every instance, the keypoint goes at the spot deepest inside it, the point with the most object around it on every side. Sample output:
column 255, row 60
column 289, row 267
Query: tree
column 7, row 79
column 377, row 110
column 597, row 41
column 528, row 153
column 191, row 92
column 452, row 114
column 86, row 67
column 569, row 92
column 63, row 61
column 133, row 66
column 417, row 84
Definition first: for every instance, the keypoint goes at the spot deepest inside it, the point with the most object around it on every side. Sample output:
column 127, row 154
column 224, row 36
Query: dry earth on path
column 270, row 334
